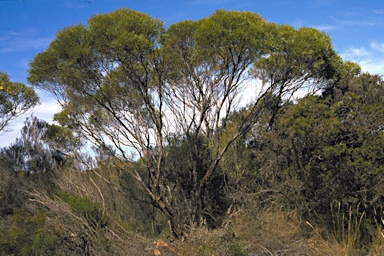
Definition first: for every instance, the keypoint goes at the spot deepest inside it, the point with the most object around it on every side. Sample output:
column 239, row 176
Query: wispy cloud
column 77, row 4
column 27, row 39
column 347, row 20
column 353, row 22
column 26, row 44
column 377, row 46
column 378, row 12
column 370, row 58
column 207, row 2
column 325, row 28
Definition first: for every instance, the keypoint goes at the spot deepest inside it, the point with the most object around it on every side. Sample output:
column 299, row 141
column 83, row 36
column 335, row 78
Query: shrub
column 86, row 208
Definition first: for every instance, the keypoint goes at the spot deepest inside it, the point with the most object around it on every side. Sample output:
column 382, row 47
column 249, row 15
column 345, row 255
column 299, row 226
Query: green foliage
column 11, row 193
column 337, row 155
column 27, row 234
column 224, row 31
column 204, row 250
column 179, row 164
column 86, row 208
column 42, row 244
column 15, row 99
column 40, row 151
column 237, row 249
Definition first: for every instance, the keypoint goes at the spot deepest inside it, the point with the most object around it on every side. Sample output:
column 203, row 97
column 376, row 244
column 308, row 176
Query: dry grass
column 252, row 230
column 272, row 232
column 377, row 247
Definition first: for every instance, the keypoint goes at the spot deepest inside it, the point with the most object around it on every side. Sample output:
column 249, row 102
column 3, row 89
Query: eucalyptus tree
column 207, row 64
column 15, row 99
column 129, row 85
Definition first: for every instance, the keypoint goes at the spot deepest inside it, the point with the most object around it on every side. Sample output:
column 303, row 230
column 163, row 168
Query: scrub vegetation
column 229, row 135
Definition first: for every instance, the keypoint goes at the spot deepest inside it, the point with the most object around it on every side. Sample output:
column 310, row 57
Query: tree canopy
column 15, row 99
column 128, row 84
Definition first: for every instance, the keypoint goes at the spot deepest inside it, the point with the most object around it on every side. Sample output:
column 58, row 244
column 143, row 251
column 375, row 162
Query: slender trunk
column 172, row 219
column 199, row 207
column 163, row 205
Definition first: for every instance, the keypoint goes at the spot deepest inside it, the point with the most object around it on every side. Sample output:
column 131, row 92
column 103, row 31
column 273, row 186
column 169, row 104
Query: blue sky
column 28, row 26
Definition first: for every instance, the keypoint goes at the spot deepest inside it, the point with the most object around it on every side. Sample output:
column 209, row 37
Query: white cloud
column 370, row 58
column 377, row 46
column 354, row 54
column 44, row 111
column 12, row 131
